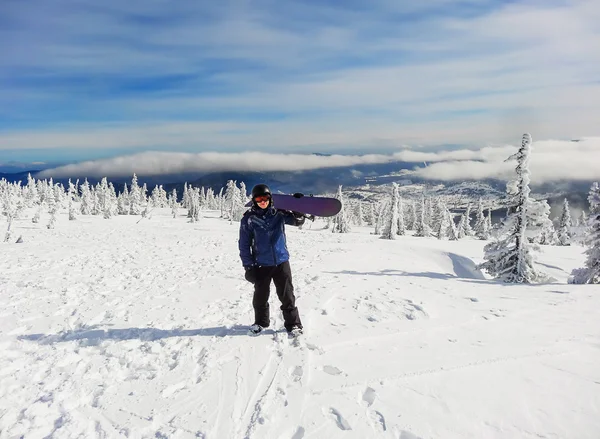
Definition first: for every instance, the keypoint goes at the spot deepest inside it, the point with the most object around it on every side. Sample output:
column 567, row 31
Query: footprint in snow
column 339, row 420
column 299, row 433
column 332, row 370
column 369, row 396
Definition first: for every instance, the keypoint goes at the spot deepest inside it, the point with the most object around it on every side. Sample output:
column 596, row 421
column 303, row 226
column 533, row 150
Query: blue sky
column 82, row 79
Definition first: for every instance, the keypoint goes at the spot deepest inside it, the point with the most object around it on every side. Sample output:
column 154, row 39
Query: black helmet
column 260, row 189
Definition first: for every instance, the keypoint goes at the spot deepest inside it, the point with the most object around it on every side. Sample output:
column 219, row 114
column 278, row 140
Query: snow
column 134, row 327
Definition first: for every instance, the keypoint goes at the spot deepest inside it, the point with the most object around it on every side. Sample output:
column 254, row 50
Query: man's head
column 261, row 196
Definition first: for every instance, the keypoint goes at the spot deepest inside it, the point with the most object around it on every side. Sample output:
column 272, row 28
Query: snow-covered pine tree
column 411, row 217
column 510, row 257
column 442, row 226
column 372, row 216
column 123, row 201
column 104, row 201
column 429, row 212
column 12, row 204
column 135, row 195
column 382, row 208
column 173, row 203
column 540, row 228
column 452, row 231
column 564, row 229
column 401, row 225
column 590, row 274
column 340, row 221
column 31, row 193
column 422, row 228
column 481, row 225
column 437, row 215
column 71, row 196
column 464, row 226
column 144, row 195
column 231, row 200
column 86, row 202
column 359, row 214
column 52, row 210
column 158, row 197
column 243, row 193
column 185, row 199
column 390, row 228
column 194, row 204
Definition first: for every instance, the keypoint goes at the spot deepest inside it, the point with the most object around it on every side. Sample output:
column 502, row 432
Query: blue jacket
column 262, row 236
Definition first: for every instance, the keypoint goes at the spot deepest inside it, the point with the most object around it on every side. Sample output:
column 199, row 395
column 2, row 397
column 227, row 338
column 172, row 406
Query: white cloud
column 551, row 161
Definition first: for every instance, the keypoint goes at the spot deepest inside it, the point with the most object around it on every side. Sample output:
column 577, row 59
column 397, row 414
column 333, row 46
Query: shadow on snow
column 92, row 335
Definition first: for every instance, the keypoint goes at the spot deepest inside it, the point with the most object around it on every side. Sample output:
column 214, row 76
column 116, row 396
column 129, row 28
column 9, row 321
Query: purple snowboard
column 307, row 204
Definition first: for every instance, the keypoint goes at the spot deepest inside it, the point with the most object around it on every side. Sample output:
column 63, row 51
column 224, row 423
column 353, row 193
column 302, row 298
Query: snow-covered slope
column 136, row 328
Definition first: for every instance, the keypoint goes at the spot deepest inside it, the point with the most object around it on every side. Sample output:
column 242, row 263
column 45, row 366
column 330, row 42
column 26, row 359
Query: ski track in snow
column 129, row 328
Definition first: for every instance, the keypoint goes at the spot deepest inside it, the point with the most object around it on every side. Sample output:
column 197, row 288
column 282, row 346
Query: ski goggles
column 261, row 198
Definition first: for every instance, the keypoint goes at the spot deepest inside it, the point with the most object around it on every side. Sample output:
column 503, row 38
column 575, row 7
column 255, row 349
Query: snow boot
column 255, row 329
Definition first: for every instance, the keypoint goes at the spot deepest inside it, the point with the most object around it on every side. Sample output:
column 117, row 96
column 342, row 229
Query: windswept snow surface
column 136, row 328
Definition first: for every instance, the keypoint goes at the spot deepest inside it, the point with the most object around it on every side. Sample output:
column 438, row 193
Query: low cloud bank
column 551, row 161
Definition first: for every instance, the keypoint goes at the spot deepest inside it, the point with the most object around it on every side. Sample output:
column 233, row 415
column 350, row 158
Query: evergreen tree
column 340, row 221
column 72, row 192
column 359, row 214
column 194, row 204
column 442, row 227
column 540, row 227
column 135, row 195
column 590, row 274
column 391, row 221
column 401, row 225
column 481, row 225
column 422, row 228
column 510, row 257
column 372, row 216
column 411, row 217
column 173, row 203
column 564, row 229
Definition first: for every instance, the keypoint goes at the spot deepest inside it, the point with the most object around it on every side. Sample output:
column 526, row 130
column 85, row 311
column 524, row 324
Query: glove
column 251, row 273
column 299, row 217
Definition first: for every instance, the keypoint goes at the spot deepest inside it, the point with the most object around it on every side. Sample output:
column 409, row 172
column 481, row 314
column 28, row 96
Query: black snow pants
column 281, row 275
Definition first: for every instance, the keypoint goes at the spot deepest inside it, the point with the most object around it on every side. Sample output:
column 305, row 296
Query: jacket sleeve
column 245, row 243
column 293, row 219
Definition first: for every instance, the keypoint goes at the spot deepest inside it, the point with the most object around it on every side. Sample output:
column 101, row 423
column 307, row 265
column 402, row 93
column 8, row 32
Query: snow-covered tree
column 381, row 209
column 31, row 192
column 442, row 227
column 590, row 274
column 71, row 197
column 411, row 218
column 391, row 216
column 135, row 195
column 52, row 210
column 359, row 214
column 86, row 198
column 481, row 225
column 401, row 225
column 372, row 216
column 540, row 228
column 173, row 203
column 422, row 227
column 340, row 221
column 510, row 257
column 233, row 202
column 159, row 197
column 564, row 229
column 194, row 204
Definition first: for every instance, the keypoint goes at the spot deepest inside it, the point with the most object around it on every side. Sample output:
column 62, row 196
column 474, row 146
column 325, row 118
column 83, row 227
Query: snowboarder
column 265, row 257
